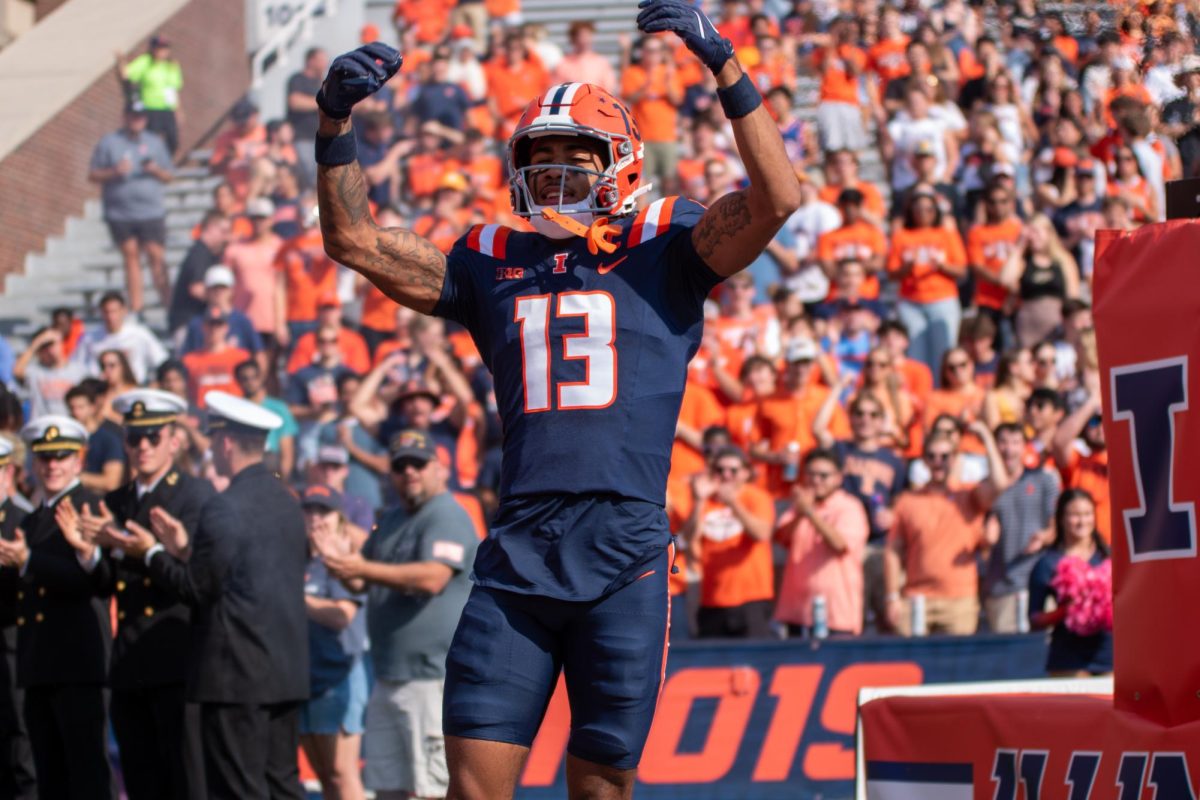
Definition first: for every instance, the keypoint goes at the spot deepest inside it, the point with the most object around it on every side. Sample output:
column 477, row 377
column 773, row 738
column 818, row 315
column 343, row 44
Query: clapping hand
column 135, row 540
column 92, row 524
column 703, row 486
column 14, row 553
column 170, row 531
column 356, row 75
column 67, row 519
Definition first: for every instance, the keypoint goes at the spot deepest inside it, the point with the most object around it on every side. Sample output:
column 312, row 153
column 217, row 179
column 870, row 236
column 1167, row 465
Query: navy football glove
column 690, row 24
column 356, row 75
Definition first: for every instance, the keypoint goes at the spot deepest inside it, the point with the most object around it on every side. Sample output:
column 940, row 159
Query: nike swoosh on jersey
column 604, row 269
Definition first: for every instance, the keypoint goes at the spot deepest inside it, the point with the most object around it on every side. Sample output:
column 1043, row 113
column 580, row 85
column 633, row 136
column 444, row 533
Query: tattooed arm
column 404, row 266
column 739, row 225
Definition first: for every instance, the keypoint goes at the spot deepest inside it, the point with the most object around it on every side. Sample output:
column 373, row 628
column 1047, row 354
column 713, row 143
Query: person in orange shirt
column 1129, row 183
column 839, row 115
column 857, row 240
column 936, row 533
column 928, row 259
column 430, row 160
column 728, row 529
column 759, row 380
column 887, row 59
column 584, row 64
column 741, row 327
column 236, row 147
column 914, row 376
column 959, row 396
column 989, row 245
column 377, row 322
column 841, row 172
column 427, row 19
column 213, row 368
column 785, row 422
column 515, row 77
column 1087, row 467
column 483, row 169
column 329, row 317
column 654, row 92
column 735, row 24
column 309, row 275
column 699, row 411
column 450, row 215
column 774, row 67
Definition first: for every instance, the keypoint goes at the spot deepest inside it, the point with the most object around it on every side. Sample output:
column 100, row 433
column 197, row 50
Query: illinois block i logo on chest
column 560, row 264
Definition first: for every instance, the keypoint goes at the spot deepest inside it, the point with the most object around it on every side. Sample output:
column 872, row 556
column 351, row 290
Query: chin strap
column 596, row 235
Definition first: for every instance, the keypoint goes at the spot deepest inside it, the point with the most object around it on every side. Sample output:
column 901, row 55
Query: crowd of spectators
column 886, row 405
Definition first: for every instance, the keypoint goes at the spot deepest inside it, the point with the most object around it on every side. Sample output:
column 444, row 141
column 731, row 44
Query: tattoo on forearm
column 728, row 216
column 344, row 190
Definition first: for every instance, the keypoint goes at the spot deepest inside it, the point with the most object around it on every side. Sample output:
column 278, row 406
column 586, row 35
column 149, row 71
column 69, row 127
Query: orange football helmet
column 579, row 109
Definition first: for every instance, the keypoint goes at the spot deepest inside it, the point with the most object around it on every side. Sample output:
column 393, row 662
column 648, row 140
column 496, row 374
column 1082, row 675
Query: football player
column 587, row 325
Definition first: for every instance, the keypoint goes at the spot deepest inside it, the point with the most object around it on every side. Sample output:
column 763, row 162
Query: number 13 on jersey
column 536, row 314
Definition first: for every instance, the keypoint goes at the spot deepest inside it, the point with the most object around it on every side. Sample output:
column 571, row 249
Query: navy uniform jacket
column 244, row 582
column 589, row 355
column 63, row 628
column 151, row 644
column 11, row 518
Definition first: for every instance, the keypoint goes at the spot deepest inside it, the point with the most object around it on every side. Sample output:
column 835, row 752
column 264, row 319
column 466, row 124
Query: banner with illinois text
column 776, row 719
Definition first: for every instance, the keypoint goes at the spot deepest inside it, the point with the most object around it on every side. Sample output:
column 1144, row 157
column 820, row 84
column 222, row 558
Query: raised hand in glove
column 355, row 75
column 691, row 25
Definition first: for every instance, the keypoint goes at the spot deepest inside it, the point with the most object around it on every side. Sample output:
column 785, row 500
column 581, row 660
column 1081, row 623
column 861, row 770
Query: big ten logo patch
column 510, row 273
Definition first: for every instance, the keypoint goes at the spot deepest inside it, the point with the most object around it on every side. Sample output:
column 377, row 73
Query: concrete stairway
column 79, row 266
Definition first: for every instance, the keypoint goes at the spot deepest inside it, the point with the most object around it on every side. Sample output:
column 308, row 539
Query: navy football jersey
column 589, row 352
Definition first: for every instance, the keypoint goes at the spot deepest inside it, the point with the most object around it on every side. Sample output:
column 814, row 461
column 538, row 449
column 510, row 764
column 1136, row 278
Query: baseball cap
column 135, row 106
column 321, row 496
column 454, row 181
column 801, row 350
column 218, row 275
column 332, row 454
column 369, row 33
column 243, row 110
column 412, row 444
column 1085, row 166
column 260, row 207
column 158, row 40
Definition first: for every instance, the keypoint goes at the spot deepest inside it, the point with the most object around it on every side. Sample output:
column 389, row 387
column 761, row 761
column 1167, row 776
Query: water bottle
column 820, row 614
column 919, row 627
column 1023, row 611
column 791, row 467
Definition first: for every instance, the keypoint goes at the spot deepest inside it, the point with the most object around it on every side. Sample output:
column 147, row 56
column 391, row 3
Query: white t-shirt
column 907, row 134
column 141, row 347
column 806, row 225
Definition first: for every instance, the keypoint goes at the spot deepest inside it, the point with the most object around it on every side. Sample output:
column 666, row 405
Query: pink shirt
column 254, row 280
column 813, row 568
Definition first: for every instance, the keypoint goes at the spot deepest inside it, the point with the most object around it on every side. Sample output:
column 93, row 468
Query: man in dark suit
column 17, row 780
column 158, row 733
column 63, row 629
column 244, row 580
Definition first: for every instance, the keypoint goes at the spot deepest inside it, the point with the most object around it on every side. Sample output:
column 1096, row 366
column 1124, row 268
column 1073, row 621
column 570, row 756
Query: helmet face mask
column 589, row 112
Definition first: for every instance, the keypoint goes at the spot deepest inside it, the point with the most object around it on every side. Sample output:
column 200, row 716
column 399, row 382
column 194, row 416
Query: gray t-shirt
column 410, row 633
column 139, row 195
column 1022, row 510
column 48, row 386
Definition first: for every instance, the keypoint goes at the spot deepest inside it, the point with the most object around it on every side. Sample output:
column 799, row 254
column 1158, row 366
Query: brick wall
column 44, row 180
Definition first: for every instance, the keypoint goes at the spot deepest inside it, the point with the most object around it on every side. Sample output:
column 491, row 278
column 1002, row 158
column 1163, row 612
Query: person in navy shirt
column 587, row 326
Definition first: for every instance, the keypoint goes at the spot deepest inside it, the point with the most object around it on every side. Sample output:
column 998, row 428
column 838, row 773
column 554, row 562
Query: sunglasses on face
column 727, row 469
column 134, row 438
column 937, row 458
column 820, row 474
column 866, row 414
column 401, row 465
column 958, row 364
column 327, row 341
